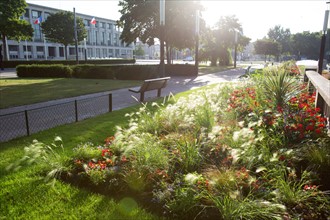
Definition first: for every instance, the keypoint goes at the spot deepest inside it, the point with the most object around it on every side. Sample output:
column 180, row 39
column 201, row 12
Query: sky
column 256, row 17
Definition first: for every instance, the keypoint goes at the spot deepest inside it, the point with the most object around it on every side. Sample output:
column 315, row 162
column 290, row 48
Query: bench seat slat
column 151, row 84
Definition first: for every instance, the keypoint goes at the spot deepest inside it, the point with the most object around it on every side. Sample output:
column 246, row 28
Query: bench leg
column 142, row 97
column 159, row 92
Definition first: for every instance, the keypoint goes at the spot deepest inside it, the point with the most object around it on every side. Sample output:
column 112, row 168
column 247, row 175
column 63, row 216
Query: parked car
column 188, row 59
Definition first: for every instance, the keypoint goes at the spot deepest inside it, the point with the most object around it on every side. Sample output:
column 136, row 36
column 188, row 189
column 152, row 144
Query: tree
column 218, row 42
column 140, row 19
column 59, row 27
column 306, row 44
column 10, row 24
column 283, row 37
column 267, row 47
column 139, row 51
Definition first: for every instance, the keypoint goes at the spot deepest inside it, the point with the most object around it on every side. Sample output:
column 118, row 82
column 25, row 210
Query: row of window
column 14, row 49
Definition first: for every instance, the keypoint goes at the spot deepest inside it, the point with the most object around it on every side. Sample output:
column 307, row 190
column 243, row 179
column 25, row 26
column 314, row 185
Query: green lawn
column 22, row 91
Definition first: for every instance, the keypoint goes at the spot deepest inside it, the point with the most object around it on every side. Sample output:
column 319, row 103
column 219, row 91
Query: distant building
column 102, row 39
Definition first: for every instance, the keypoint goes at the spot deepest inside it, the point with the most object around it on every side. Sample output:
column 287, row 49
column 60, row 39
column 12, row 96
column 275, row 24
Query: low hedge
column 52, row 71
column 15, row 63
column 181, row 70
column 89, row 71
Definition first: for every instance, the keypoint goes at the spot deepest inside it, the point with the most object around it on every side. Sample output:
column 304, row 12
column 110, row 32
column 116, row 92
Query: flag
column 38, row 21
column 93, row 21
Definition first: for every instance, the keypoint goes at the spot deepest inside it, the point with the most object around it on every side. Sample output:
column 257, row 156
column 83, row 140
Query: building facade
column 103, row 40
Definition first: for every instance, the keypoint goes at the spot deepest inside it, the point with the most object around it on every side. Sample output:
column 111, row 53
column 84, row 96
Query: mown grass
column 19, row 91
column 25, row 195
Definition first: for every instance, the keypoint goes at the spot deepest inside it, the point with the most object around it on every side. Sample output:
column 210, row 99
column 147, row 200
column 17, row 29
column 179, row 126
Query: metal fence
column 34, row 120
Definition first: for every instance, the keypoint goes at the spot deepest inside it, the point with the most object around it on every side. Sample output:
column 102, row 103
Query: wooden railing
column 322, row 87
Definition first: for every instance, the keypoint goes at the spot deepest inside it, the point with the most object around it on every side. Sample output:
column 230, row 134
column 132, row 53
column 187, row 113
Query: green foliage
column 232, row 208
column 10, row 24
column 219, row 41
column 36, row 70
column 140, row 19
column 267, row 47
column 138, row 51
column 47, row 155
column 89, row 71
column 279, row 86
column 282, row 36
column 59, row 27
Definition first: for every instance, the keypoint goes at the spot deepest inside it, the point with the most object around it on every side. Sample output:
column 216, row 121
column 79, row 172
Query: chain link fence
column 32, row 121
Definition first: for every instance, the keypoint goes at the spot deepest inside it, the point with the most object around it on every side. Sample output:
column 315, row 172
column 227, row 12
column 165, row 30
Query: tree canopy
column 140, row 19
column 59, row 28
column 267, row 47
column 11, row 26
column 282, row 36
column 218, row 42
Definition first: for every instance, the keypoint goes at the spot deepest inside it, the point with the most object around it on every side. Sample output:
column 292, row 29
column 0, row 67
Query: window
column 37, row 32
column 28, row 48
column 27, row 13
column 98, row 55
column 110, row 39
column 13, row 48
column 40, row 49
column 61, row 50
column 103, row 38
column 47, row 14
column 36, row 14
column 86, row 23
column 72, row 51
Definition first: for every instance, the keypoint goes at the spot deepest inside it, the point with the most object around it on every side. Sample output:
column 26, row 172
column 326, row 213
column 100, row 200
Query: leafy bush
column 15, row 63
column 34, row 70
column 88, row 71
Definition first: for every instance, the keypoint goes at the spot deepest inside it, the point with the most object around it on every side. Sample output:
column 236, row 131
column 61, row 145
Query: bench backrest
column 152, row 84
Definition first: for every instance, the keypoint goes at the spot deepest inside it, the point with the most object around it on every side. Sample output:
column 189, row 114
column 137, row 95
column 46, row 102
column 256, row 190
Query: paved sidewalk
column 122, row 98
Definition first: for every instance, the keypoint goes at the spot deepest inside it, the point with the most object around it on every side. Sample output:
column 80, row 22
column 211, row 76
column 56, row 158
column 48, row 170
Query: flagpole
column 75, row 35
column 26, row 51
column 45, row 47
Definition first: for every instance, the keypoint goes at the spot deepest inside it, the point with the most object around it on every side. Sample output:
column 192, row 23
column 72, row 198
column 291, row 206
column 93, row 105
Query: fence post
column 110, row 102
column 76, row 109
column 27, row 123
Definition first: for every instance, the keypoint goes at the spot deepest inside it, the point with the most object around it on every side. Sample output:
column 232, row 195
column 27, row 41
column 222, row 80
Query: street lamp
column 161, row 38
column 197, row 39
column 323, row 39
column 85, row 49
column 235, row 50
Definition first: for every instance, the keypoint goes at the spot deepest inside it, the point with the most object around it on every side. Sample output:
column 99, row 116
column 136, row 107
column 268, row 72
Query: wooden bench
column 151, row 84
column 322, row 87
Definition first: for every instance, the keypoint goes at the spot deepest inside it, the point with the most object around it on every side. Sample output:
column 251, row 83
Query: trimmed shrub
column 88, row 71
column 181, row 70
column 136, row 72
column 15, row 63
column 56, row 71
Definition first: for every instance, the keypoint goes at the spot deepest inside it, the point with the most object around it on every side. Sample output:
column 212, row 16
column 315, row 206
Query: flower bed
column 242, row 151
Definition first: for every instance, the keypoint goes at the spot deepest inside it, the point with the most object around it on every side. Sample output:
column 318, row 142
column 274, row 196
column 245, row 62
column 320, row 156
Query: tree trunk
column 168, row 59
column 4, row 47
column 66, row 52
